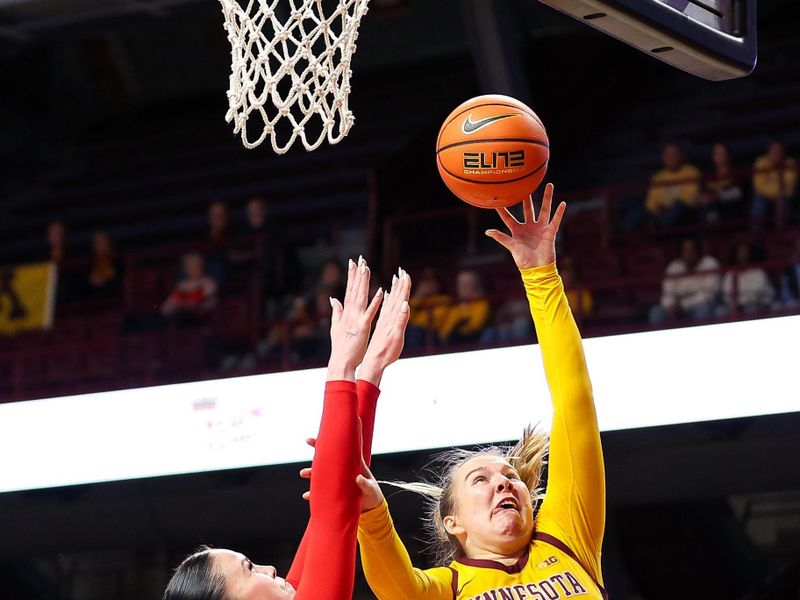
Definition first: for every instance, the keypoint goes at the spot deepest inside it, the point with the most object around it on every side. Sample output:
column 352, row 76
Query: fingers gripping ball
column 492, row 151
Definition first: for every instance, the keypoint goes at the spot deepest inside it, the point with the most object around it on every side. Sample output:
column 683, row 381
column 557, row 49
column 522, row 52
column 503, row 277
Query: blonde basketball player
column 492, row 545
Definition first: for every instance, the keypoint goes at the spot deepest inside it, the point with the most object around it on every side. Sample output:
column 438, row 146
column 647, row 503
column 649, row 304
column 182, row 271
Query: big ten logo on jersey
column 547, row 562
column 493, row 163
column 560, row 585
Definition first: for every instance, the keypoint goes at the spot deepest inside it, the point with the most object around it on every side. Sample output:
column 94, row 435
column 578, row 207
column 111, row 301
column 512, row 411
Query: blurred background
column 140, row 244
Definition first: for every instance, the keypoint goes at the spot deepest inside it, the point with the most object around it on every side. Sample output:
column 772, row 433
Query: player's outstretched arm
column 575, row 497
column 335, row 504
column 384, row 348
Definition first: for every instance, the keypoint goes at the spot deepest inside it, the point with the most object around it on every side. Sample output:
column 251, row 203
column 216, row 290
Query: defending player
column 481, row 512
column 325, row 562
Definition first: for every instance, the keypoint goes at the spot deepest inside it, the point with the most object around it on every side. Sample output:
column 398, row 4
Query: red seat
column 586, row 222
column 146, row 279
column 186, row 349
column 585, row 230
column 145, row 290
column 231, row 313
column 613, row 308
column 6, row 369
column 781, row 245
column 64, row 366
column 103, row 327
column 31, row 339
column 645, row 260
column 599, row 267
column 647, row 295
column 67, row 330
column 101, row 363
column 142, row 351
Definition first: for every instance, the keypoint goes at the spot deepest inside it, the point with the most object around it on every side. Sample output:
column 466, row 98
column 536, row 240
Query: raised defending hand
column 532, row 243
column 351, row 323
column 389, row 336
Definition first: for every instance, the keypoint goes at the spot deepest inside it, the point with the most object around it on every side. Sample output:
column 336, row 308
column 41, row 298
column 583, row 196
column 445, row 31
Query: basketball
column 492, row 151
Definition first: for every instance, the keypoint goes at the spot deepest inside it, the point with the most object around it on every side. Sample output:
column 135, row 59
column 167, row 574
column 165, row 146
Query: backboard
column 714, row 39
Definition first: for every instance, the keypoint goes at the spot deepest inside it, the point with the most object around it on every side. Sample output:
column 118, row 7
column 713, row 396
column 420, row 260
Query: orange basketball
column 492, row 151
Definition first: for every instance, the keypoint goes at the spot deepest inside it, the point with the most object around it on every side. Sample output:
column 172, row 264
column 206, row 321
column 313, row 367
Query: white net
column 290, row 69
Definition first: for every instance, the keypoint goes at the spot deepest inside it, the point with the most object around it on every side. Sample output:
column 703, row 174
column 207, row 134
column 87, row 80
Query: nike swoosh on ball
column 469, row 125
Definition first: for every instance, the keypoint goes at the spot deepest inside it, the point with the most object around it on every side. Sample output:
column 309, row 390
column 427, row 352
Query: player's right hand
column 388, row 339
column 532, row 243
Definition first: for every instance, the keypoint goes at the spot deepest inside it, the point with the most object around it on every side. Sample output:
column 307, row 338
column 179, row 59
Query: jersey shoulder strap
column 454, row 582
column 554, row 541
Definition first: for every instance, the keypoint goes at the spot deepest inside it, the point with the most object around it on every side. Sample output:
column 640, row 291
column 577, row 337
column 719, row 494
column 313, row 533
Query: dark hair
column 195, row 579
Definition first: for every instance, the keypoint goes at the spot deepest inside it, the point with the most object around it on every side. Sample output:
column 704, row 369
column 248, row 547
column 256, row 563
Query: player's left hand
column 351, row 322
column 532, row 243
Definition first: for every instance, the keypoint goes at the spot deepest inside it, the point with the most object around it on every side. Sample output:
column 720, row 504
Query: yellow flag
column 27, row 296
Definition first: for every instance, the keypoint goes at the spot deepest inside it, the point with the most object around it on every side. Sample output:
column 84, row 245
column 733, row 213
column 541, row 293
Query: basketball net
column 290, row 69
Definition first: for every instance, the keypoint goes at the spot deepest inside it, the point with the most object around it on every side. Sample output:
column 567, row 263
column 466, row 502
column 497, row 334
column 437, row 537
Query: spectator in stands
column 691, row 286
column 511, row 323
column 790, row 279
column 429, row 307
column 723, row 191
column 310, row 322
column 305, row 319
column 466, row 320
column 256, row 211
column 70, row 283
column 256, row 238
column 747, row 288
column 103, row 277
column 252, row 236
column 674, row 190
column 774, row 185
column 580, row 299
column 194, row 295
column 215, row 246
column 331, row 280
column 56, row 242
column 258, row 252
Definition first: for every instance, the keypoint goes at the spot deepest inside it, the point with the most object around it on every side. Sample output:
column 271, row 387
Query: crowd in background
column 454, row 307
column 680, row 195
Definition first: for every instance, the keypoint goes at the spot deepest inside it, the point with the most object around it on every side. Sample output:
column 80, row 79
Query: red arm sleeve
column 330, row 552
column 367, row 403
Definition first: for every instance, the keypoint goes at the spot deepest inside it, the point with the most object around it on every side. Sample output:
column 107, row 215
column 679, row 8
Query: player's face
column 493, row 506
column 247, row 581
